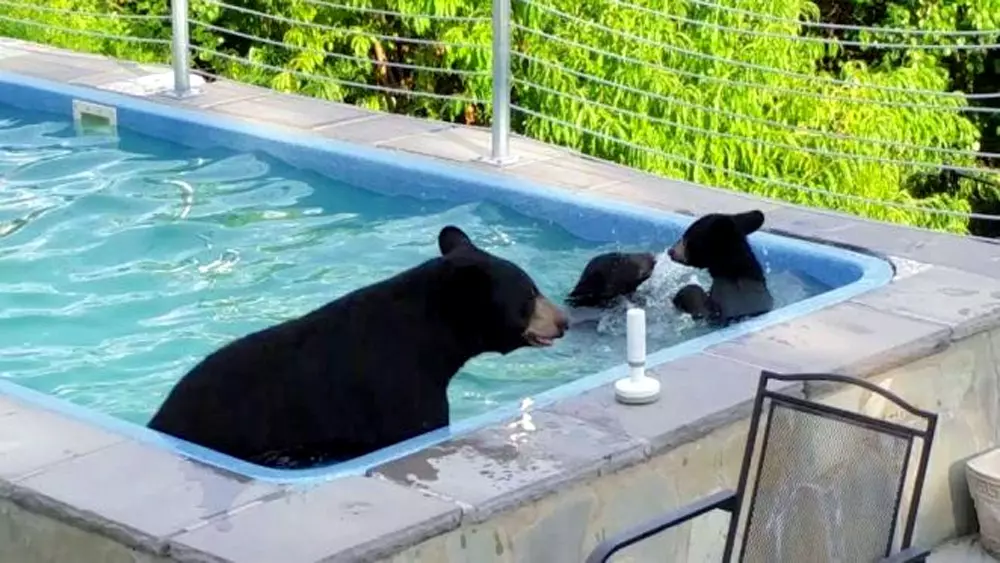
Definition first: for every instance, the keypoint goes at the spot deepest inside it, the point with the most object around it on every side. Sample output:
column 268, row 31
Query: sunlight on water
column 115, row 278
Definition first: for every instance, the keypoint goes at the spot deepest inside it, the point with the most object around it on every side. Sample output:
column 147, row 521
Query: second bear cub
column 718, row 243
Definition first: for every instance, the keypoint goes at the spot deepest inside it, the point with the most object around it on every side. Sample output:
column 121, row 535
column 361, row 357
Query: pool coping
column 945, row 288
column 571, row 210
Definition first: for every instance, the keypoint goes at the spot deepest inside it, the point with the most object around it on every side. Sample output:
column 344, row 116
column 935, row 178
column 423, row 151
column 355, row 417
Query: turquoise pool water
column 115, row 278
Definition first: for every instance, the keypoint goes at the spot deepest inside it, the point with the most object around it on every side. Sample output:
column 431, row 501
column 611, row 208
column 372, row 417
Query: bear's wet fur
column 718, row 243
column 610, row 276
column 365, row 371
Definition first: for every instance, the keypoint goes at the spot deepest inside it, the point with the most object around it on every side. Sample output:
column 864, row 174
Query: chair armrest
column 723, row 500
column 918, row 554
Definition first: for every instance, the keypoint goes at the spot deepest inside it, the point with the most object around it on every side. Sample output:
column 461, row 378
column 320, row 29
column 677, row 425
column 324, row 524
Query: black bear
column 718, row 242
column 364, row 371
column 610, row 276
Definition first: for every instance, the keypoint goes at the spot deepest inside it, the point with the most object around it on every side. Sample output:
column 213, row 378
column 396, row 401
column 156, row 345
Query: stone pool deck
column 71, row 492
column 961, row 550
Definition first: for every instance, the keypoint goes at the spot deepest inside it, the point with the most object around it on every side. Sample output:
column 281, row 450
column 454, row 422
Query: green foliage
column 974, row 71
column 640, row 85
column 89, row 26
column 360, row 57
column 719, row 122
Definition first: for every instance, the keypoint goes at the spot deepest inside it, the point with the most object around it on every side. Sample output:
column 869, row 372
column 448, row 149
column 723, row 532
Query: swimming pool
column 281, row 234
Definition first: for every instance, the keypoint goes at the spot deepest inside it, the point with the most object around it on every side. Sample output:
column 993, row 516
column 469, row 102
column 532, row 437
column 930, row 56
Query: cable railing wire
column 849, row 27
column 751, row 177
column 756, row 85
column 391, row 13
column 761, row 142
column 748, row 65
column 112, row 15
column 832, row 153
column 822, row 152
column 338, row 81
column 363, row 60
column 86, row 33
column 753, row 119
column 807, row 38
column 344, row 30
column 342, row 56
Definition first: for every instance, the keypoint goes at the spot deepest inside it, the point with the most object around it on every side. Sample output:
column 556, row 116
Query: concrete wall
column 961, row 384
column 29, row 537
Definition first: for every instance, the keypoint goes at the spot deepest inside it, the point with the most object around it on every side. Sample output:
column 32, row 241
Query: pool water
column 125, row 260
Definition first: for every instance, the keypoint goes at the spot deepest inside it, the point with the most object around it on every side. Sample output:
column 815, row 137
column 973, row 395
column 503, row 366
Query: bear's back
column 740, row 298
column 366, row 370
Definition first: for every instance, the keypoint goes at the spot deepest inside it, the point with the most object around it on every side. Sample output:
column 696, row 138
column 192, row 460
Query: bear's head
column 495, row 300
column 609, row 276
column 718, row 242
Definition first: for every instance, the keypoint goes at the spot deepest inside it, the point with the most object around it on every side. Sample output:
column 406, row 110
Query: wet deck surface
column 962, row 550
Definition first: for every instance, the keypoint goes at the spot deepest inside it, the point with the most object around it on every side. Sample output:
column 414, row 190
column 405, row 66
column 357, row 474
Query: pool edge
column 875, row 271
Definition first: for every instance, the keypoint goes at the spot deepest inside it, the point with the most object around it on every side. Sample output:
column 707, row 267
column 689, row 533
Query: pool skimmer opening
column 94, row 119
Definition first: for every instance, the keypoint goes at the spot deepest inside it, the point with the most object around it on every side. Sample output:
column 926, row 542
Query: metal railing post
column 500, row 147
column 179, row 48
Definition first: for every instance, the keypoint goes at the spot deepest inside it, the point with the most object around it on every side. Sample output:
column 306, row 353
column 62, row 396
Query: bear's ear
column 749, row 221
column 451, row 238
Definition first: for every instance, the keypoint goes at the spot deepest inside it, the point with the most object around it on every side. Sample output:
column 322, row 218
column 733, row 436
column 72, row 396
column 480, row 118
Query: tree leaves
column 656, row 89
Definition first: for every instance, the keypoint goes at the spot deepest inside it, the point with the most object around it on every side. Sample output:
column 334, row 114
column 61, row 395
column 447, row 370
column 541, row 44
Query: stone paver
column 154, row 491
column 505, row 466
column 467, row 144
column 565, row 171
column 846, row 338
column 961, row 550
column 701, row 389
column 964, row 301
column 350, row 519
column 374, row 129
column 32, row 439
column 293, row 111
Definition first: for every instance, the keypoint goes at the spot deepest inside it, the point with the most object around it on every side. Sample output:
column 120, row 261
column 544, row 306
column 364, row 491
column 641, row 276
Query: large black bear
column 718, row 242
column 365, row 371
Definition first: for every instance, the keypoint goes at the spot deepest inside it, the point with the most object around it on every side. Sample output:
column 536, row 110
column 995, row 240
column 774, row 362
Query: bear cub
column 365, row 371
column 610, row 276
column 718, row 242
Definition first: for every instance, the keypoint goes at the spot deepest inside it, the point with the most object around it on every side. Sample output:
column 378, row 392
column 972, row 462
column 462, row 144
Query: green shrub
column 87, row 26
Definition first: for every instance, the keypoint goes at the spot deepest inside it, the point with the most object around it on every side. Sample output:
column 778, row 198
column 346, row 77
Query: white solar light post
column 638, row 388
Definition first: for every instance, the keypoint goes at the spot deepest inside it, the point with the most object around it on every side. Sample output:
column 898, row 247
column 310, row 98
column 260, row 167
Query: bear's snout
column 548, row 322
column 677, row 252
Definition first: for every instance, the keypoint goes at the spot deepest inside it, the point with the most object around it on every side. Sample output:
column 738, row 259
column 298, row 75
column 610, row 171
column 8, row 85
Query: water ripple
column 124, row 261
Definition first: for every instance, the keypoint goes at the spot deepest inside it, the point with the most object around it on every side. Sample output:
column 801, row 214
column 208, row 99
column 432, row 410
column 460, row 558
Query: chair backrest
column 821, row 483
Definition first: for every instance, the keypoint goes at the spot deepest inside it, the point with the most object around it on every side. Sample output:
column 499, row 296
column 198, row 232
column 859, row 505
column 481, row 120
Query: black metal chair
column 818, row 483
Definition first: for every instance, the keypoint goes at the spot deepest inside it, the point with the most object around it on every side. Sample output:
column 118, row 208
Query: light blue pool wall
column 589, row 218
column 585, row 216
